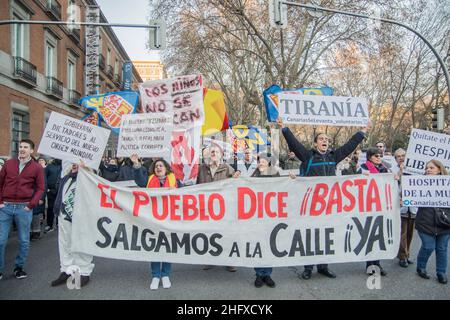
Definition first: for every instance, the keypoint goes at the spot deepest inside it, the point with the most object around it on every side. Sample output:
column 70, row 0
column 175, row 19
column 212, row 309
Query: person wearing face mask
column 434, row 236
column 110, row 171
column 374, row 165
column 320, row 161
column 161, row 176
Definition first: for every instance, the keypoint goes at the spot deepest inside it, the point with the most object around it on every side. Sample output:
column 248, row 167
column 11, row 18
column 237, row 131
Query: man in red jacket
column 21, row 188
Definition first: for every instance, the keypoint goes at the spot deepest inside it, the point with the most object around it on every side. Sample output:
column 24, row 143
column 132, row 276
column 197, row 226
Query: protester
column 434, row 235
column 52, row 175
column 38, row 212
column 290, row 161
column 64, row 205
column 161, row 176
column 21, row 187
column 2, row 162
column 110, row 170
column 215, row 170
column 382, row 147
column 320, row 161
column 42, row 162
column 127, row 172
column 205, row 155
column 352, row 165
column 408, row 215
column 246, row 166
column 264, row 169
column 373, row 165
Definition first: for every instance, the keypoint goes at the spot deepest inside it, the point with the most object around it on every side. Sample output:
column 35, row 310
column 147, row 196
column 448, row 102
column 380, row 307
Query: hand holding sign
column 280, row 122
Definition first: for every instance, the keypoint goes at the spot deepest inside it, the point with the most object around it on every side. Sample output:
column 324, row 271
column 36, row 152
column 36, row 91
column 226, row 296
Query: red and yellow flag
column 216, row 118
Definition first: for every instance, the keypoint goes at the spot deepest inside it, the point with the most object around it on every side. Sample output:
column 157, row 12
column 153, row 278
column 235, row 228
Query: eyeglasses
column 376, row 156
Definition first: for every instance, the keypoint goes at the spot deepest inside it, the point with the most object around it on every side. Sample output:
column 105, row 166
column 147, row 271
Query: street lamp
column 279, row 19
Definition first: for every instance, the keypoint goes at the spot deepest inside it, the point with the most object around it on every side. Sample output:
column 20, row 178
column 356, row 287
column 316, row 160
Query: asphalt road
column 118, row 279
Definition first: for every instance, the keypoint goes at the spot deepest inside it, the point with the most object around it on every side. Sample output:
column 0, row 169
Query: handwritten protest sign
column 181, row 95
column 291, row 222
column 297, row 108
column 147, row 135
column 425, row 146
column 426, row 191
column 67, row 138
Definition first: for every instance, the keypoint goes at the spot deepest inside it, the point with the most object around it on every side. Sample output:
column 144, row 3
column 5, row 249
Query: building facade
column 149, row 70
column 42, row 67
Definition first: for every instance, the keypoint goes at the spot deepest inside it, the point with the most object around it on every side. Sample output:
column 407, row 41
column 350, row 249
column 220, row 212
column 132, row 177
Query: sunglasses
column 376, row 156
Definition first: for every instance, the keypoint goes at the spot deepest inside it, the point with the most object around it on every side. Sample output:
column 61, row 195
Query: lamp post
column 280, row 19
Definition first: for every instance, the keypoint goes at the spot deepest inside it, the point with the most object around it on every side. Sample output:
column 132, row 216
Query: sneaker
column 84, row 280
column 268, row 280
column 259, row 281
column 166, row 282
column 48, row 229
column 1, row 276
column 231, row 269
column 19, row 273
column 403, row 263
column 155, row 284
column 61, row 279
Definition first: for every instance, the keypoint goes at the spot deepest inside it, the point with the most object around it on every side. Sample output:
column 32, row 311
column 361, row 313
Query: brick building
column 42, row 67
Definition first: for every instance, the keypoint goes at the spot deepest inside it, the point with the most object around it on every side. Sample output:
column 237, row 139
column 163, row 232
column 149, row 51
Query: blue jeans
column 160, row 269
column 263, row 271
column 431, row 243
column 23, row 220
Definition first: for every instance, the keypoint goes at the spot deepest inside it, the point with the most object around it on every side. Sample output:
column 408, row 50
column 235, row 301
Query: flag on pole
column 216, row 118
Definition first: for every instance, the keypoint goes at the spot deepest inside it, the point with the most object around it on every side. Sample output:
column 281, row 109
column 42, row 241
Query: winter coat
column 315, row 163
column 40, row 208
column 271, row 172
column 224, row 171
column 109, row 172
column 53, row 175
column 141, row 178
column 426, row 221
column 381, row 168
column 127, row 172
column 59, row 197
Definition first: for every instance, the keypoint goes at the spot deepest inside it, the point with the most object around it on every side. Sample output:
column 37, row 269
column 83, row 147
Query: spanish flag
column 216, row 118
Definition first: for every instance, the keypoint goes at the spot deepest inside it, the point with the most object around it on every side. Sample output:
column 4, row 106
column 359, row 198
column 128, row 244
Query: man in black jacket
column 52, row 175
column 320, row 161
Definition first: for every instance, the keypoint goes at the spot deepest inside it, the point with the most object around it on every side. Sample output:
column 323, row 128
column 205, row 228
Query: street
column 129, row 280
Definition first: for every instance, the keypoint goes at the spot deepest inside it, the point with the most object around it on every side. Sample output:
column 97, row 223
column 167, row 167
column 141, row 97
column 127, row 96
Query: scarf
column 371, row 167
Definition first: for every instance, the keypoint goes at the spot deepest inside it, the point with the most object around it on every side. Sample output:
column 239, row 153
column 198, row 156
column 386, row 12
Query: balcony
column 74, row 97
column 109, row 72
column 75, row 35
column 25, row 71
column 54, row 87
column 53, row 8
column 101, row 62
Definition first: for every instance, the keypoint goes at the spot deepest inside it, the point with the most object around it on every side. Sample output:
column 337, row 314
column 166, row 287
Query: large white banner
column 426, row 191
column 249, row 222
column 181, row 95
column 67, row 138
column 297, row 108
column 425, row 146
column 145, row 134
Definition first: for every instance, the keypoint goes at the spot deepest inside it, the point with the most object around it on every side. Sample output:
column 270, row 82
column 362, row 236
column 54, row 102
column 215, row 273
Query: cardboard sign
column 297, row 108
column 67, row 138
column 145, row 134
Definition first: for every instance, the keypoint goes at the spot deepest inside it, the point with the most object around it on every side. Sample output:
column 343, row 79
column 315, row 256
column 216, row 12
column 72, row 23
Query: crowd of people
column 38, row 198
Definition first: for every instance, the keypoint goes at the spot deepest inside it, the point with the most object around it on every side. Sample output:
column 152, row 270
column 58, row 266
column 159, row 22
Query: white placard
column 145, row 134
column 182, row 95
column 70, row 139
column 425, row 146
column 297, row 108
column 426, row 191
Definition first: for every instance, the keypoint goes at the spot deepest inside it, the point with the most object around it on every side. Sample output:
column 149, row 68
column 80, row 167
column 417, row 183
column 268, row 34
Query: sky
column 132, row 39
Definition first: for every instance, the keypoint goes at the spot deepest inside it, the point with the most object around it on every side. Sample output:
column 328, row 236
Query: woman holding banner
column 161, row 176
column 263, row 170
column 374, row 165
column 433, row 233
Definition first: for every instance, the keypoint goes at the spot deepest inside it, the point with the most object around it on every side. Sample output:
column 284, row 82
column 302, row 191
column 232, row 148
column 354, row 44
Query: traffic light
column 278, row 14
column 434, row 120
column 157, row 35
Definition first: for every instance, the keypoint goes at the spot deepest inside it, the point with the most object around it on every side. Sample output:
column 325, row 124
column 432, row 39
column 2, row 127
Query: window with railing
column 74, row 97
column 20, row 129
column 54, row 87
column 54, row 8
column 24, row 70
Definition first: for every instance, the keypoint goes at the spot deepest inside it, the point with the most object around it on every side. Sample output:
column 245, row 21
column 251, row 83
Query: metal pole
column 95, row 24
column 441, row 62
